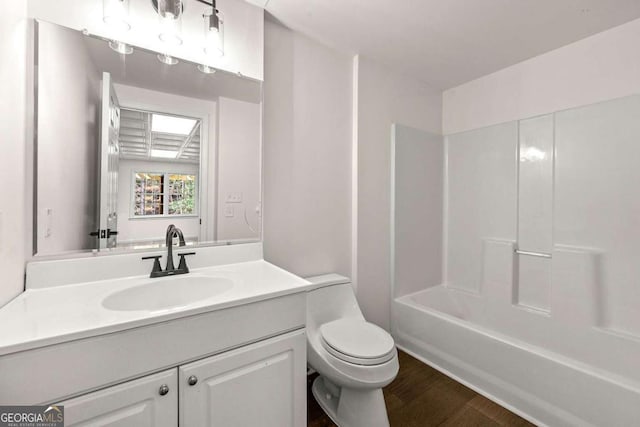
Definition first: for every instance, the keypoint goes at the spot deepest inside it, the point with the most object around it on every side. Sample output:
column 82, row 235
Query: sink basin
column 167, row 293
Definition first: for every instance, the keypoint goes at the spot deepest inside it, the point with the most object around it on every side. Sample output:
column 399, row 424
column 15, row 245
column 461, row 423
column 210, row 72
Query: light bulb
column 115, row 13
column 170, row 31
column 213, row 33
column 170, row 19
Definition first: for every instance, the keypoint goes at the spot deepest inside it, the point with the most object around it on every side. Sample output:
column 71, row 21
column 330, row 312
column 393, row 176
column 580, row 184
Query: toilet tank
column 331, row 300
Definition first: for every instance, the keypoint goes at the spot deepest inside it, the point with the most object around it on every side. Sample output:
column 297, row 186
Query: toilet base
column 352, row 407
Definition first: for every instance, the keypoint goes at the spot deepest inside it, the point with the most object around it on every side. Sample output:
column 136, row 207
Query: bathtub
column 522, row 359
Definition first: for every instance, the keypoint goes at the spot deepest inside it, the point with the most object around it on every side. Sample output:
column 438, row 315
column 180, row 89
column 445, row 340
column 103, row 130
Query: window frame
column 165, row 198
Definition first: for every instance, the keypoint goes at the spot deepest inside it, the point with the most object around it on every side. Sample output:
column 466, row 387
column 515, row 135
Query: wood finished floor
column 421, row 396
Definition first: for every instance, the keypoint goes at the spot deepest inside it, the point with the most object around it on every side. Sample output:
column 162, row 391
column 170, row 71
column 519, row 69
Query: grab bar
column 529, row 253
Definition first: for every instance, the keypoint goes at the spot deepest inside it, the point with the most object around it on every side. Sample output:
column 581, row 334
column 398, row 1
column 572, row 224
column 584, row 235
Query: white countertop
column 52, row 315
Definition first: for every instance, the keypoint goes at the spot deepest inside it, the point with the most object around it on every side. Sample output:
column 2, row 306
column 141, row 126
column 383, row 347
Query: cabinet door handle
column 192, row 380
column 164, row 389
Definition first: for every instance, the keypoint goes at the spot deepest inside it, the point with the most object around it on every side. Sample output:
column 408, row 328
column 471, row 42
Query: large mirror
column 127, row 144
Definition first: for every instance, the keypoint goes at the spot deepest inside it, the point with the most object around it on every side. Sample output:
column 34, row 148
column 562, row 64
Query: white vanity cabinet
column 245, row 349
column 148, row 401
column 262, row 384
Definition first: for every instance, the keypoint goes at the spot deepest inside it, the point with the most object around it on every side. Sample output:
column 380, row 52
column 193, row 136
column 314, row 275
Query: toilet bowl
column 354, row 358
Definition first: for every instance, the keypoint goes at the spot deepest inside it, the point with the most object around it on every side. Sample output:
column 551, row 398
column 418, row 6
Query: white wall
column 600, row 67
column 383, row 97
column 307, row 154
column 308, row 157
column 140, row 229
column 68, row 144
column 239, row 166
column 243, row 35
column 13, row 84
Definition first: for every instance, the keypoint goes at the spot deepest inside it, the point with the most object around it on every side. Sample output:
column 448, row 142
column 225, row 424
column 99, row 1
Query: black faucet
column 170, row 270
column 172, row 231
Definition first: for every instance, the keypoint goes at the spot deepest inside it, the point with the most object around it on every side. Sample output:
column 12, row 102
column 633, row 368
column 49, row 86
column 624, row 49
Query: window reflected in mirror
column 182, row 194
column 149, row 194
column 159, row 194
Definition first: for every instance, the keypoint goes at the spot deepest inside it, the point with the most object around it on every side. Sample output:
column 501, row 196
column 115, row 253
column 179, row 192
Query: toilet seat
column 357, row 341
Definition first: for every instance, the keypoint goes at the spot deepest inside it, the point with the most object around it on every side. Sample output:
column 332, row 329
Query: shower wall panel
column 535, row 212
column 417, row 187
column 597, row 201
column 481, row 198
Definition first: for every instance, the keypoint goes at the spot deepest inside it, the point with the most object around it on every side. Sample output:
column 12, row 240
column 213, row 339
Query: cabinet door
column 263, row 384
column 150, row 401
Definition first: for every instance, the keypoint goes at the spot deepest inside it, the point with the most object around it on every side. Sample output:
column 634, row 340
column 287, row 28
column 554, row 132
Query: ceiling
column 137, row 140
column 449, row 42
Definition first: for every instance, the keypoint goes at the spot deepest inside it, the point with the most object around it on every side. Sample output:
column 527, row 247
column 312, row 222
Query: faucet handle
column 156, row 264
column 183, row 263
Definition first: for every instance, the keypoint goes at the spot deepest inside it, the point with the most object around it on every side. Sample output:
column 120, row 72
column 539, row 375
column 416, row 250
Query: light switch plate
column 234, row 197
column 229, row 211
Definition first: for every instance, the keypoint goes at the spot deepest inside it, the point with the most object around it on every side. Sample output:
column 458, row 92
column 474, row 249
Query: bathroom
column 285, row 213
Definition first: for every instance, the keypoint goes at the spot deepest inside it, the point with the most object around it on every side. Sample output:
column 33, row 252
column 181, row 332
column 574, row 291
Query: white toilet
column 354, row 358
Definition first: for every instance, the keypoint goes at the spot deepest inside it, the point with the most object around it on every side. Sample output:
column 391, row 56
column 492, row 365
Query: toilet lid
column 357, row 341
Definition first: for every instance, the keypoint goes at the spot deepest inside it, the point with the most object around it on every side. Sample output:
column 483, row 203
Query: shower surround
column 537, row 301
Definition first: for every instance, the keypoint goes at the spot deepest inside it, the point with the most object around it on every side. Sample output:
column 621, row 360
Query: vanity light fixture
column 121, row 48
column 166, row 59
column 170, row 18
column 206, row 69
column 115, row 13
column 213, row 31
